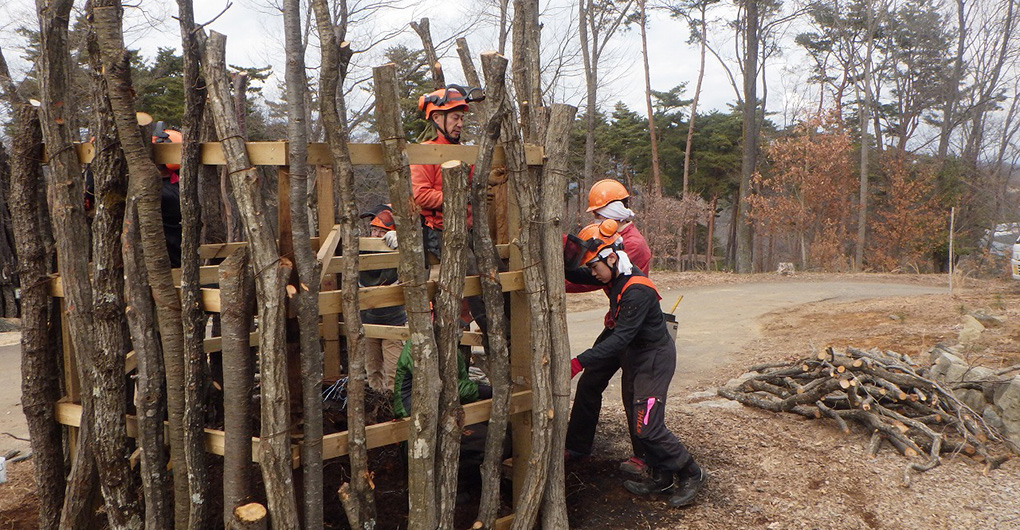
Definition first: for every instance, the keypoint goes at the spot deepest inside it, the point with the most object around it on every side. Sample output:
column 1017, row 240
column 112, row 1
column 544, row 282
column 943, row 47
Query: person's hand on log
column 390, row 238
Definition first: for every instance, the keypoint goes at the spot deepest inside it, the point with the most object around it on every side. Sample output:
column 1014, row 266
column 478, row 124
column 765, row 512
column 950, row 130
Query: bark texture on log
column 526, row 69
column 494, row 68
column 70, row 230
column 271, row 274
column 120, row 484
column 552, row 209
column 359, row 502
column 40, row 386
column 237, row 298
column 425, row 395
column 8, row 255
column 150, row 389
column 529, row 240
column 144, row 189
column 193, row 319
column 448, row 304
column 431, row 58
column 308, row 268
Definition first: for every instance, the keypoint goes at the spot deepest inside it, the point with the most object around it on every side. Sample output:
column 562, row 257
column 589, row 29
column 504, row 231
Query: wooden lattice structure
column 335, row 445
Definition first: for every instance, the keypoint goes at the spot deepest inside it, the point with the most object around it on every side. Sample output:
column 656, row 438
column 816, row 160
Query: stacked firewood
column 885, row 392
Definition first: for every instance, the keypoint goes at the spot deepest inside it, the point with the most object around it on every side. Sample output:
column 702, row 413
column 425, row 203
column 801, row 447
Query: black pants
column 584, row 413
column 662, row 449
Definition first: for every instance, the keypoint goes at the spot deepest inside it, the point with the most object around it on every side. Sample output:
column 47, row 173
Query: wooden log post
column 528, row 242
column 237, row 296
column 271, row 275
column 431, row 58
column 494, row 67
column 448, row 305
column 552, row 207
column 144, row 189
column 40, row 385
column 359, row 502
column 150, row 389
column 193, row 318
column 425, row 396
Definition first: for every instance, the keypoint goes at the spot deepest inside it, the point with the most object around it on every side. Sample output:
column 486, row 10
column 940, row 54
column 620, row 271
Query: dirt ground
column 777, row 471
column 770, row 471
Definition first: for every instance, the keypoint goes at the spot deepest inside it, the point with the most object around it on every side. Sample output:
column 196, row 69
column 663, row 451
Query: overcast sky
column 254, row 31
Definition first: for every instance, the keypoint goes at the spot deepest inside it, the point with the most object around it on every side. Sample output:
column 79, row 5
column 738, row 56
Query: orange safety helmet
column 450, row 98
column 168, row 136
column 598, row 236
column 382, row 217
column 604, row 192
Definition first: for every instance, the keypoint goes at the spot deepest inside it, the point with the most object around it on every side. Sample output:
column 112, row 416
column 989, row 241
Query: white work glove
column 391, row 239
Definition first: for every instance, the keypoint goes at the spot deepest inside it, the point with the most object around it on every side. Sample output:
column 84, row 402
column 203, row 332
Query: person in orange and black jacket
column 382, row 354
column 607, row 199
column 444, row 110
column 170, row 196
column 641, row 342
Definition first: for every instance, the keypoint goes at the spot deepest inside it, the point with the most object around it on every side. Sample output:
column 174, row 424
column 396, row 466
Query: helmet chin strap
column 442, row 130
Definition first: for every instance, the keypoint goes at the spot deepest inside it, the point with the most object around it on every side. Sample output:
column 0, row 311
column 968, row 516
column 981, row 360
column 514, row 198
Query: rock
column 1007, row 401
column 704, row 395
column 975, row 399
column 971, row 330
column 717, row 404
column 943, row 359
column 737, row 381
column 991, row 417
column 785, row 268
column 988, row 321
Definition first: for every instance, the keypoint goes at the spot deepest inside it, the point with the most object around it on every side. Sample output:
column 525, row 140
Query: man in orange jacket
column 444, row 110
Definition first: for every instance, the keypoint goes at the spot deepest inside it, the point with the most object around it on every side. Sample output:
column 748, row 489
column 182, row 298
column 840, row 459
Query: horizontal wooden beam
column 380, row 434
column 275, row 154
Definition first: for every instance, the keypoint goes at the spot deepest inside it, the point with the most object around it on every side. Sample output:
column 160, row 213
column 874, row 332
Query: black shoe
column 659, row 481
column 687, row 489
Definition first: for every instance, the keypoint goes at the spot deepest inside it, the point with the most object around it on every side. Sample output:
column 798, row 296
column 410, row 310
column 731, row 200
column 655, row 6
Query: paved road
column 718, row 321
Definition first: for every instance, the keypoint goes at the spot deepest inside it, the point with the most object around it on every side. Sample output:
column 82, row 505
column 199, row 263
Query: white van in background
column 1014, row 262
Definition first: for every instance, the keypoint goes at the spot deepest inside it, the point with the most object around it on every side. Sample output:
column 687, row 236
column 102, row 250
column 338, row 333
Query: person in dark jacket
column 607, row 199
column 647, row 353
column 382, row 354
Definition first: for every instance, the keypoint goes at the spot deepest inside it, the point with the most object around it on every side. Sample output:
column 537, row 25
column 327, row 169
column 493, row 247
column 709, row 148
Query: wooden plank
column 327, row 252
column 392, row 295
column 70, row 414
column 327, row 221
column 72, row 386
column 386, row 259
column 275, row 154
column 379, row 331
column 218, row 250
column 216, row 343
column 130, row 362
column 380, row 434
column 504, row 523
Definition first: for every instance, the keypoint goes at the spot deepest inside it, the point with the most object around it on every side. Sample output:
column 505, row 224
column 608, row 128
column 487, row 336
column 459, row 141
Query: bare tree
column 656, row 185
column 598, row 23
column 745, row 237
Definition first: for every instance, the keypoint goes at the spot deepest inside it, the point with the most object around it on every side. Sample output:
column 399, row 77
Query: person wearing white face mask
column 607, row 199
column 642, row 345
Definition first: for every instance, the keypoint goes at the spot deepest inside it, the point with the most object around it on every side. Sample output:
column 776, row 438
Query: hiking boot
column 573, row 457
column 659, row 481
column 688, row 486
column 634, row 466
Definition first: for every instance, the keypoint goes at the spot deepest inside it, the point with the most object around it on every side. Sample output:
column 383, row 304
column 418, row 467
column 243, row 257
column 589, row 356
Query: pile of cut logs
column 885, row 392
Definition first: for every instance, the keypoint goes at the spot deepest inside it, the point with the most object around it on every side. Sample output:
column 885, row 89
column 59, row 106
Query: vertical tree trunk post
column 196, row 367
column 65, row 192
column 750, row 148
column 150, row 396
column 551, row 210
column 449, row 296
column 359, row 504
column 529, row 243
column 425, row 396
column 271, row 274
column 40, row 385
column 237, row 296
column 307, row 267
column 494, row 67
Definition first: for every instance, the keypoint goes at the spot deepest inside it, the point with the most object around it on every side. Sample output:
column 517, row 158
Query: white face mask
column 616, row 211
